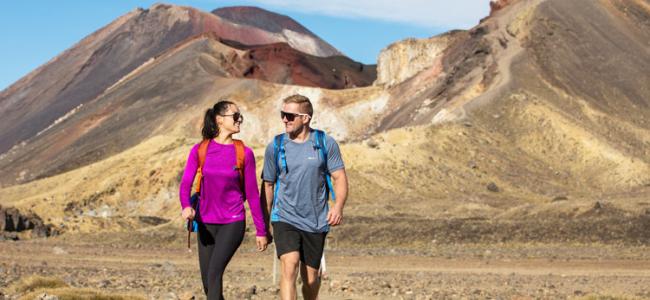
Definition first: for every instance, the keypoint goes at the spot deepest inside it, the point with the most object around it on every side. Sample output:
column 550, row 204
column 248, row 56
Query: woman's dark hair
column 210, row 128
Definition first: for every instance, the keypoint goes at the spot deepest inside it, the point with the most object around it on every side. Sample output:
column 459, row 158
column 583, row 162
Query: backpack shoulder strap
column 280, row 162
column 203, row 151
column 320, row 144
column 240, row 154
column 280, row 155
column 322, row 148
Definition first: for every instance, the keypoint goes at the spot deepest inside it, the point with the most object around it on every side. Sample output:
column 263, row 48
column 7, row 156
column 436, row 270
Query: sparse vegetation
column 35, row 286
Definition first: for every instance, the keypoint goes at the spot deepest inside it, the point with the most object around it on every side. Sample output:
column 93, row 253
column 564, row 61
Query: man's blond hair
column 305, row 104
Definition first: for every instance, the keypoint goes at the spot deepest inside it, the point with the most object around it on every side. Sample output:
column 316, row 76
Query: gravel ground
column 453, row 271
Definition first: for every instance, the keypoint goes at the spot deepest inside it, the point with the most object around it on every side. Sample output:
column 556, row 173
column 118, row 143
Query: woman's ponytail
column 210, row 129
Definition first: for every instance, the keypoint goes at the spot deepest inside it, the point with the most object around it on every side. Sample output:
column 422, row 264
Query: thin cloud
column 460, row 14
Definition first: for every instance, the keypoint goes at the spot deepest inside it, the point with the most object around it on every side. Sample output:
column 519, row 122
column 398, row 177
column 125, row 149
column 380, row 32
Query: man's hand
column 335, row 216
column 188, row 213
column 340, row 182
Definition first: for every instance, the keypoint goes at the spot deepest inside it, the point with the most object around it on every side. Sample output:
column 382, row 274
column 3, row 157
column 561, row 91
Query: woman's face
column 230, row 120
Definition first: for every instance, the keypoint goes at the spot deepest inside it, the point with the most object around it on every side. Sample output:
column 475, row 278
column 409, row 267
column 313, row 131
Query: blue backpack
column 280, row 154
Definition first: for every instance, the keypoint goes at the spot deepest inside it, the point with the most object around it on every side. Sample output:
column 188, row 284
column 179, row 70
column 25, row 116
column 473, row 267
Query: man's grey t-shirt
column 302, row 193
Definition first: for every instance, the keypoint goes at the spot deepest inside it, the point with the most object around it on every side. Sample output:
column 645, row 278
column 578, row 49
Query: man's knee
column 311, row 281
column 309, row 275
column 290, row 263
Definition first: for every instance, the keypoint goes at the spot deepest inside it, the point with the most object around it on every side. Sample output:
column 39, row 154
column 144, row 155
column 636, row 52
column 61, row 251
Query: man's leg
column 287, row 245
column 289, row 266
column 311, row 249
column 310, row 282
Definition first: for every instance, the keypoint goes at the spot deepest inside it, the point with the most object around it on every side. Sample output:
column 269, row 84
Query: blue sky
column 33, row 32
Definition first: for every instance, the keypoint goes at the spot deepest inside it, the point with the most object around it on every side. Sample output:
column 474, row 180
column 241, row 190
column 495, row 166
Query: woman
column 221, row 213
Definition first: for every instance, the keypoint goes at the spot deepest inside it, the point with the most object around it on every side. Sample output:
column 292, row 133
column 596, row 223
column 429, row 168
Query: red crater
column 282, row 64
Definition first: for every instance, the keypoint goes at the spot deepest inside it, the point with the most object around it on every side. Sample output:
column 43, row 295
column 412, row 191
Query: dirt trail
column 156, row 272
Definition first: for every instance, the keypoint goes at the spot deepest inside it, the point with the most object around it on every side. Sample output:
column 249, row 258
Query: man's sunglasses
column 291, row 116
column 237, row 117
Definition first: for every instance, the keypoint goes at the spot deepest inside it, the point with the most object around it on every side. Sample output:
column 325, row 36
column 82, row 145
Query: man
column 297, row 167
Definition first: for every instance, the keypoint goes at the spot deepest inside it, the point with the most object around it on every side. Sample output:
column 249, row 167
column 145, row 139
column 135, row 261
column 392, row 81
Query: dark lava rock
column 560, row 198
column 12, row 221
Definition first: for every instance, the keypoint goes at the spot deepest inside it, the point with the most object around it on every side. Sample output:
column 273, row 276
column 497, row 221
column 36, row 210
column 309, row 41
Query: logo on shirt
column 311, row 157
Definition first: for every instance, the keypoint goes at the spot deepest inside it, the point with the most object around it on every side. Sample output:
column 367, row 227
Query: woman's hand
column 261, row 242
column 188, row 213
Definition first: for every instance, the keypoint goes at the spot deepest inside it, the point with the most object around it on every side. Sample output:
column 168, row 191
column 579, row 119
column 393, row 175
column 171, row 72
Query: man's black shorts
column 310, row 245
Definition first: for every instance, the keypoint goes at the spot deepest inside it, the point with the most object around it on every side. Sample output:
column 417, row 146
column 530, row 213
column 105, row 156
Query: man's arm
column 268, row 179
column 340, row 183
column 268, row 195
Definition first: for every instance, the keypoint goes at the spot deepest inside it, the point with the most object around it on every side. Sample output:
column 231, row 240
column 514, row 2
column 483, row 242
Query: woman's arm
column 253, row 193
column 185, row 189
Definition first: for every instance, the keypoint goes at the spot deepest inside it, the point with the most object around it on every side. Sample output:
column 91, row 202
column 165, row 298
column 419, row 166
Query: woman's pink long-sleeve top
column 222, row 200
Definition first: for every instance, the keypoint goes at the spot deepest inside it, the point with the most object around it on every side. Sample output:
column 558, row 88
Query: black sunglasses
column 291, row 116
column 237, row 117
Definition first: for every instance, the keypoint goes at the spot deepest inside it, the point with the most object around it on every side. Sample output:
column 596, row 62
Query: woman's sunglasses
column 290, row 116
column 237, row 117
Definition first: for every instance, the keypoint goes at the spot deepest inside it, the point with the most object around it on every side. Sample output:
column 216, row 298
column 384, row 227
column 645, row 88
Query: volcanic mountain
column 533, row 125
column 135, row 40
column 173, row 49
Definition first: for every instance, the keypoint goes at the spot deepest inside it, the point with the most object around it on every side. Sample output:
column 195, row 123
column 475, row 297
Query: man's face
column 294, row 119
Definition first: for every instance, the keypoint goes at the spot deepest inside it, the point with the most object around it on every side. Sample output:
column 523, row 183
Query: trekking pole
column 322, row 271
column 275, row 265
column 323, row 267
column 189, row 235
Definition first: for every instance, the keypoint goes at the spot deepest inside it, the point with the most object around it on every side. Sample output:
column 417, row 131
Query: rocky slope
column 402, row 60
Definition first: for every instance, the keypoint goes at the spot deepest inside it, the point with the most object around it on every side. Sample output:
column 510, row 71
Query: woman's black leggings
column 217, row 245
